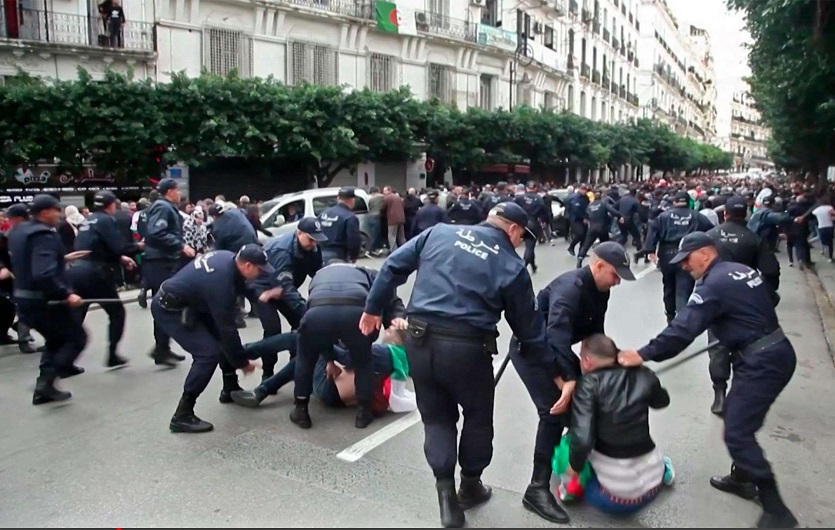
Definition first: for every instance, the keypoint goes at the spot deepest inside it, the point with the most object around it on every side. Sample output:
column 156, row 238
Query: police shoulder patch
column 696, row 299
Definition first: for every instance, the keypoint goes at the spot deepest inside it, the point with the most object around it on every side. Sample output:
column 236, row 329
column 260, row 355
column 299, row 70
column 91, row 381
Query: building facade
column 53, row 38
column 748, row 134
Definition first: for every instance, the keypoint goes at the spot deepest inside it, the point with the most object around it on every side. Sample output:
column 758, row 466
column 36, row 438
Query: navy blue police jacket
column 342, row 227
column 577, row 204
column 293, row 265
column 350, row 285
column 494, row 199
column 534, row 206
column 600, row 213
column 628, row 208
column 37, row 255
column 468, row 275
column 101, row 236
column 465, row 211
column 731, row 300
column 573, row 309
column 671, row 226
column 210, row 286
column 428, row 216
column 232, row 230
column 164, row 232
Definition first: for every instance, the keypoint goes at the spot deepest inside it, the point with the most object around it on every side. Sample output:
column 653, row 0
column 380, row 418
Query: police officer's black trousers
column 62, row 330
column 449, row 372
column 720, row 364
column 201, row 340
column 678, row 286
column 593, row 234
column 90, row 280
column 268, row 314
column 758, row 379
column 320, row 328
column 530, row 244
column 630, row 229
column 156, row 272
column 578, row 234
column 539, row 381
column 7, row 314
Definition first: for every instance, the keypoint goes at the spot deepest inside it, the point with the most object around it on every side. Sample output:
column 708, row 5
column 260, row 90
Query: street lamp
column 524, row 56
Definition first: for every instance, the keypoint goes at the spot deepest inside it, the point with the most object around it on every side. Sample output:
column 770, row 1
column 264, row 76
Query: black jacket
column 611, row 413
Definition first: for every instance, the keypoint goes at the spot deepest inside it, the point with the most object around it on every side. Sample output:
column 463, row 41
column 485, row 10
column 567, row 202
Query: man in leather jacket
column 610, row 430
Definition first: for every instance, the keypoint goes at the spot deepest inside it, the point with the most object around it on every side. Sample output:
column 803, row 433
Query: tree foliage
column 792, row 60
column 122, row 126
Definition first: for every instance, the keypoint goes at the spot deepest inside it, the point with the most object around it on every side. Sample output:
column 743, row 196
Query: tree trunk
column 325, row 173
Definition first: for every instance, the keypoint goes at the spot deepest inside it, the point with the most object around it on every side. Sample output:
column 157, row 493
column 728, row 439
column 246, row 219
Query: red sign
column 429, row 165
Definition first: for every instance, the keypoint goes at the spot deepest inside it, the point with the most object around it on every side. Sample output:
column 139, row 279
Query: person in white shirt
column 707, row 211
column 824, row 214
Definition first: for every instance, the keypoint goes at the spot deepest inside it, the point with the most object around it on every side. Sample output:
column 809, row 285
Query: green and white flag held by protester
column 394, row 19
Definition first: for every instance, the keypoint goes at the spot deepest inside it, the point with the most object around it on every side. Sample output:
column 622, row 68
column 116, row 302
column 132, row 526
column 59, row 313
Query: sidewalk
column 821, row 279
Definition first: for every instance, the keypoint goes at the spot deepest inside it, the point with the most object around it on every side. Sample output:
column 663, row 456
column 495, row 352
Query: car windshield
column 265, row 207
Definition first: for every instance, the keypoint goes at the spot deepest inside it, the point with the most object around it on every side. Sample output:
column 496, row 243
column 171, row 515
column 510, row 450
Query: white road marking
column 375, row 440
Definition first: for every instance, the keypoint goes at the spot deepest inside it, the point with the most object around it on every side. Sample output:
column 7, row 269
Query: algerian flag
column 392, row 19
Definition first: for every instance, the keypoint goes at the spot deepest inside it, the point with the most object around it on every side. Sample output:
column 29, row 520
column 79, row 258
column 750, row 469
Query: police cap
column 736, row 204
column 768, row 201
column 691, row 243
column 166, row 185
column 682, row 197
column 433, row 194
column 532, row 184
column 514, row 213
column 103, row 199
column 17, row 210
column 43, row 202
column 347, row 193
column 255, row 254
column 615, row 255
column 313, row 228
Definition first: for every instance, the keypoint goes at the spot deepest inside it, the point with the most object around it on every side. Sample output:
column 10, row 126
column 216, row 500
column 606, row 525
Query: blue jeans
column 375, row 227
column 595, row 496
column 270, row 346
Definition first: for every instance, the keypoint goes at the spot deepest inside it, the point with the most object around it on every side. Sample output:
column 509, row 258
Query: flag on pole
column 392, row 19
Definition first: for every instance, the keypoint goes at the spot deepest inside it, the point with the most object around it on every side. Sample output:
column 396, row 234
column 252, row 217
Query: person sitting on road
column 610, row 431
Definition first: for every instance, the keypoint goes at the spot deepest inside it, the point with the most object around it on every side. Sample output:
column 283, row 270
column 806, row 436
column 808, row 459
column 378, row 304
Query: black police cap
column 347, row 193
column 103, row 199
column 43, row 202
column 17, row 210
column 691, row 243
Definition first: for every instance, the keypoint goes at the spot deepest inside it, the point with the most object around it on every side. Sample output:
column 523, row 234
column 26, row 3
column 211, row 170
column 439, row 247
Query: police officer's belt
column 25, row 294
column 418, row 326
column 775, row 337
column 171, row 302
column 318, row 302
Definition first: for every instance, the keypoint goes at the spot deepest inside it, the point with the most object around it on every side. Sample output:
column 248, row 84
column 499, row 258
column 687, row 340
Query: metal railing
column 354, row 8
column 595, row 77
column 584, row 71
column 439, row 24
column 607, row 84
column 615, row 43
column 622, row 91
column 65, row 28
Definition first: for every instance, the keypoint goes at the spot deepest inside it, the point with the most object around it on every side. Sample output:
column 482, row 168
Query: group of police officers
column 467, row 276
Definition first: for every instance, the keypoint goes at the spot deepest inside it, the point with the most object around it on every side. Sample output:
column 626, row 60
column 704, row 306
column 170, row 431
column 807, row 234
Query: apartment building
column 748, row 134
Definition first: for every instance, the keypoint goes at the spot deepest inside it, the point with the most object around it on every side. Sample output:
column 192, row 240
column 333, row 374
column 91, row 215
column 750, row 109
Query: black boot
column 579, row 263
column 114, row 360
column 452, row 516
column 247, row 398
column 142, row 299
column 538, row 497
column 184, row 419
column 26, row 346
column 230, row 384
column 365, row 416
column 65, row 372
column 775, row 513
column 165, row 357
column 718, row 406
column 45, row 391
column 737, row 482
column 472, row 492
column 300, row 416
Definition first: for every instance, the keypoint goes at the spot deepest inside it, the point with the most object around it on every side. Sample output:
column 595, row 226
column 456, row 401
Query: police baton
column 685, row 359
column 89, row 301
column 502, row 368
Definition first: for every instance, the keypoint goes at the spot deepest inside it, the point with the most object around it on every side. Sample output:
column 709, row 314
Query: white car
column 282, row 213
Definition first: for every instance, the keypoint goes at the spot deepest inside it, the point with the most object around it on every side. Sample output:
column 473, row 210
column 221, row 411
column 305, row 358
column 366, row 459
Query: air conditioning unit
column 421, row 18
column 477, row 3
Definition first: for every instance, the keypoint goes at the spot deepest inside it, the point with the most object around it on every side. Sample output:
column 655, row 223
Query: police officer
column 231, row 229
column 15, row 214
column 629, row 207
column 577, row 204
column 466, row 278
column 599, row 217
column 294, row 257
column 336, row 297
column 342, row 228
column 95, row 276
column 164, row 247
column 737, row 305
column 736, row 243
column 429, row 214
column 464, row 211
column 573, row 307
column 534, row 207
column 499, row 196
column 196, row 307
column 766, row 222
column 665, row 233
column 38, row 261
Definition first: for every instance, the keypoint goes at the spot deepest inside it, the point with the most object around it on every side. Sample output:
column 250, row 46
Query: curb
column 824, row 299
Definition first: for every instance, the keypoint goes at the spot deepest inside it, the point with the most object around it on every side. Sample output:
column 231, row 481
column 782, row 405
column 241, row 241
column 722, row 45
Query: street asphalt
column 107, row 459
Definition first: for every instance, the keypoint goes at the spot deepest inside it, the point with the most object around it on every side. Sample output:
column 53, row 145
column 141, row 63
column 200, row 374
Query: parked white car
column 282, row 213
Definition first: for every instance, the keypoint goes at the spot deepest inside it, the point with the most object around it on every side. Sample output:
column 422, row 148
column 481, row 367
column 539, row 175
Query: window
column 313, row 63
column 485, row 92
column 381, row 72
column 549, row 37
column 320, row 204
column 603, row 111
column 571, row 98
column 360, row 206
column 490, row 14
column 593, row 108
column 226, row 50
column 583, row 104
column 292, row 212
column 551, row 101
column 441, row 82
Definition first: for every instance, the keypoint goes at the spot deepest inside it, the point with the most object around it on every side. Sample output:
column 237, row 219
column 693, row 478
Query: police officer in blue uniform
column 164, row 248
column 573, row 307
column 336, row 297
column 665, row 233
column 498, row 196
column 630, row 220
column 231, row 230
column 38, row 261
column 765, row 222
column 576, row 208
column 464, row 211
column 342, row 228
column 95, row 275
column 196, row 307
column 599, row 217
column 737, row 305
column 466, row 278
column 534, row 207
column 294, row 257
column 429, row 214
column 16, row 214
